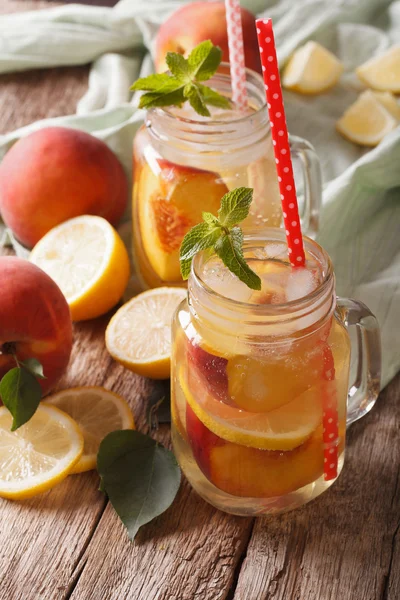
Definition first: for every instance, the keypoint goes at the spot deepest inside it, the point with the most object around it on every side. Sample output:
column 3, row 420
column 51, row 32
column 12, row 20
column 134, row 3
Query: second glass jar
column 184, row 164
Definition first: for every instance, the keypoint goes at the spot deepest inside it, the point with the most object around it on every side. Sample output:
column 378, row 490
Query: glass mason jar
column 184, row 164
column 260, row 383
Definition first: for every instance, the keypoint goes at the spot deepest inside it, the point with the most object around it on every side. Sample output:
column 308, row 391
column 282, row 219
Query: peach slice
column 211, row 369
column 248, row 472
column 170, row 203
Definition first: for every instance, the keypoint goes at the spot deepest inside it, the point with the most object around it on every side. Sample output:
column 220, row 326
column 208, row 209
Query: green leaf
column 34, row 367
column 213, row 98
column 192, row 93
column 204, row 60
column 179, row 66
column 235, row 206
column 152, row 83
column 164, row 89
column 140, row 477
column 153, row 99
column 200, row 237
column 21, row 393
column 210, row 219
column 229, row 249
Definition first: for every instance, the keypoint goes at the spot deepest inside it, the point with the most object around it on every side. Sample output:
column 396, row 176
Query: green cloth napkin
column 361, row 213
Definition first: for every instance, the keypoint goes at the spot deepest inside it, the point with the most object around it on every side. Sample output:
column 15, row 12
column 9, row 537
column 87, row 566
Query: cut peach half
column 170, row 202
column 284, row 428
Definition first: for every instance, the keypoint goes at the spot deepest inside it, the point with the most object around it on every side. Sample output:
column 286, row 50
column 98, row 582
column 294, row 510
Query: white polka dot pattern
column 236, row 53
column 280, row 140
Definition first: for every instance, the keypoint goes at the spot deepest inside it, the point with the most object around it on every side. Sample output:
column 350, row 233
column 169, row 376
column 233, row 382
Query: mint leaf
column 140, row 477
column 21, row 393
column 210, row 219
column 200, row 237
column 152, row 83
column 224, row 236
column 204, row 60
column 153, row 99
column 178, row 65
column 192, row 93
column 34, row 367
column 184, row 82
column 229, row 249
column 213, row 98
column 235, row 206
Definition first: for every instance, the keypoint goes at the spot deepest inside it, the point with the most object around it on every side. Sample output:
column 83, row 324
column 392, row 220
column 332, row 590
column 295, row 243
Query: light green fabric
column 360, row 224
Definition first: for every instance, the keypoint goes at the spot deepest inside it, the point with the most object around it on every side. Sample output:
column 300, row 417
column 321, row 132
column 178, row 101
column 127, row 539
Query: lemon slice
column 389, row 102
column 38, row 455
column 139, row 334
column 97, row 412
column 88, row 260
column 312, row 69
column 382, row 72
column 367, row 121
column 284, row 428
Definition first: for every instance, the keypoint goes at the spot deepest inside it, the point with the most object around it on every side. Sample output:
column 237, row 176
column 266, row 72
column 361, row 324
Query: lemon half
column 39, row 454
column 97, row 412
column 87, row 259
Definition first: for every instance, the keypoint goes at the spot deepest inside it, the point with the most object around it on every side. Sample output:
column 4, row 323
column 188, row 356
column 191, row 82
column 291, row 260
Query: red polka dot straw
column 280, row 140
column 290, row 209
column 330, row 418
column 236, row 53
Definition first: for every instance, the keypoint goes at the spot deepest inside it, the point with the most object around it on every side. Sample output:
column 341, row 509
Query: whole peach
column 193, row 23
column 55, row 174
column 35, row 321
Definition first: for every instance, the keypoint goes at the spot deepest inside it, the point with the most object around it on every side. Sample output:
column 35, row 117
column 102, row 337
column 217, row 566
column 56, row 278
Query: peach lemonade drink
column 256, row 375
column 184, row 163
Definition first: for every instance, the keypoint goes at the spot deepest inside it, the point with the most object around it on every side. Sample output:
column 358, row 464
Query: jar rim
column 254, row 83
column 270, row 234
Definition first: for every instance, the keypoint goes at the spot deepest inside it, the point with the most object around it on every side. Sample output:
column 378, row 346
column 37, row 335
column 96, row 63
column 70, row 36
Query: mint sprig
column 223, row 235
column 184, row 82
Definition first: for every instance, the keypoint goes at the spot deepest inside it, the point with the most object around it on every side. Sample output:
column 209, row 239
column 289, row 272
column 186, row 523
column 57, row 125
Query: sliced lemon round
column 88, row 260
column 139, row 334
column 367, row 121
column 311, row 69
column 382, row 72
column 38, row 455
column 284, row 428
column 388, row 100
column 97, row 412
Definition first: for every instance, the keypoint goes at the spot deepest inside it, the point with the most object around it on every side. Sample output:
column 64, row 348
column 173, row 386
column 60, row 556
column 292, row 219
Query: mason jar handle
column 312, row 182
column 364, row 390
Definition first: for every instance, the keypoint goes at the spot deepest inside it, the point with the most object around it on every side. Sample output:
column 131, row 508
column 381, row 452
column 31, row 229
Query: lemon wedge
column 312, row 69
column 139, row 334
column 388, row 100
column 38, row 455
column 382, row 72
column 367, row 121
column 88, row 260
column 97, row 412
column 284, row 428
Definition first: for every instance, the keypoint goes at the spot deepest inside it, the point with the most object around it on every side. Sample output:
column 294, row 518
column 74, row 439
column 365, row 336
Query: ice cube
column 300, row 283
column 221, row 280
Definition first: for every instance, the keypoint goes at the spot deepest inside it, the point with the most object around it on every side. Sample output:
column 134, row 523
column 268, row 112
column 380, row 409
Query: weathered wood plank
column 342, row 545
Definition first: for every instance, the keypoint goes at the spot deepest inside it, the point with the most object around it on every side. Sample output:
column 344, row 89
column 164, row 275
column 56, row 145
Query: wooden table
column 69, row 544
